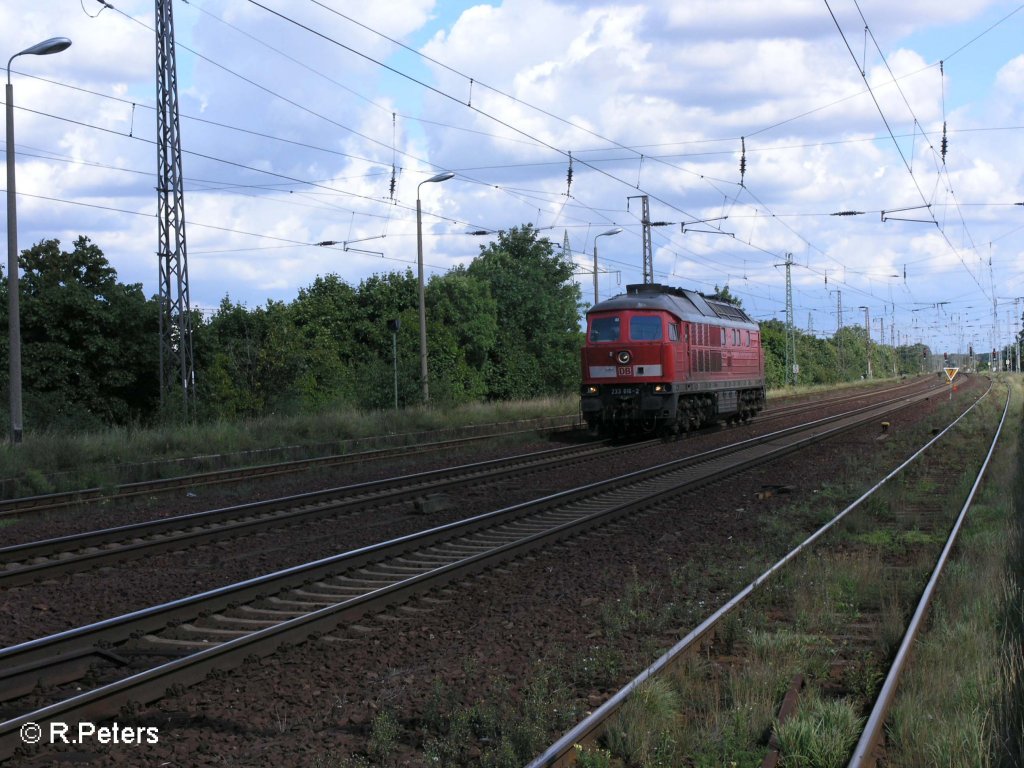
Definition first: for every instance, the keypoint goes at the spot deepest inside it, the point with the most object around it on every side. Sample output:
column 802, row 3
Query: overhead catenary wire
column 775, row 217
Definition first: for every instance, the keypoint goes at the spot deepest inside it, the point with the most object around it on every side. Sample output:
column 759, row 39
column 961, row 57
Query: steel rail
column 61, row 499
column 32, row 659
column 77, row 551
column 31, row 561
column 560, row 753
column 864, row 754
column 99, row 633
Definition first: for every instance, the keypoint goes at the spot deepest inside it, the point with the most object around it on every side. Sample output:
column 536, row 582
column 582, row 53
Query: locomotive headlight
column 660, row 389
column 623, row 357
column 590, row 389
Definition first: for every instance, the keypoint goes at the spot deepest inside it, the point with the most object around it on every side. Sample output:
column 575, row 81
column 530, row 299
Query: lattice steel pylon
column 648, row 251
column 791, row 364
column 176, row 363
column 645, row 220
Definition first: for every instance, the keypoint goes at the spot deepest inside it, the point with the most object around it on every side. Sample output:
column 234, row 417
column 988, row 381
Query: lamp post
column 419, row 267
column 53, row 45
column 610, row 232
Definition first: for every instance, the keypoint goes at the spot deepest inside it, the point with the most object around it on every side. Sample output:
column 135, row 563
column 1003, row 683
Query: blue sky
column 650, row 98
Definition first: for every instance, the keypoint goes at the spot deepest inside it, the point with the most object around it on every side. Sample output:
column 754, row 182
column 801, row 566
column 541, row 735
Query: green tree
column 773, row 343
column 90, row 353
column 462, row 322
column 537, row 346
column 722, row 294
column 382, row 298
column 325, row 316
column 226, row 350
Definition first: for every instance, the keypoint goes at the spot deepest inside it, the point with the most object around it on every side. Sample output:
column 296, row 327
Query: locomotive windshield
column 604, row 328
column 645, row 328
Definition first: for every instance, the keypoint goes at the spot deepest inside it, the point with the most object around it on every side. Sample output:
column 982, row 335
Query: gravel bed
column 315, row 703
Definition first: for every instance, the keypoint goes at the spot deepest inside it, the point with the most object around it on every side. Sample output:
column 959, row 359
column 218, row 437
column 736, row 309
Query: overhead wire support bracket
column 686, row 226
column 886, row 217
column 346, row 247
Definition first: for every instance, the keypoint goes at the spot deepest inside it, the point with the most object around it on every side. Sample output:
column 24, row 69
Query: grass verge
column 50, row 461
column 972, row 712
column 836, row 619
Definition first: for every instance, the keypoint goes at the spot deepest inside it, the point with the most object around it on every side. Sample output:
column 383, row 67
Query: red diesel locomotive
column 660, row 359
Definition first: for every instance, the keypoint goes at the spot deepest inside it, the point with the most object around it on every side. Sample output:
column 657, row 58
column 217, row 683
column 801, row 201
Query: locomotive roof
column 688, row 305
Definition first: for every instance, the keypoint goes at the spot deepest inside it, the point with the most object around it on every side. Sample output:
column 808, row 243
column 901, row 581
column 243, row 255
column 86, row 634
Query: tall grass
column 726, row 706
column 972, row 712
column 52, row 460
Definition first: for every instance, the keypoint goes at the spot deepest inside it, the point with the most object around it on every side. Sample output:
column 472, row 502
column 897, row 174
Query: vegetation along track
column 853, row 640
column 137, row 657
column 63, row 499
column 31, row 561
column 15, row 507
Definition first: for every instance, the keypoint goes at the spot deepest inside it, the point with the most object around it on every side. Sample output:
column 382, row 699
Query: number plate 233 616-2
column 625, row 391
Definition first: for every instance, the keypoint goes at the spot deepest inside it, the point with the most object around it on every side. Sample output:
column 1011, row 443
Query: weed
column 642, row 732
column 598, row 667
column 822, row 732
column 384, row 733
column 863, row 677
column 33, row 482
column 592, row 758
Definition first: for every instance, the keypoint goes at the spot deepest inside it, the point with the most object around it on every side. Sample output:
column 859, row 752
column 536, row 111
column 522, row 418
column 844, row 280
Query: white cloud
column 653, row 97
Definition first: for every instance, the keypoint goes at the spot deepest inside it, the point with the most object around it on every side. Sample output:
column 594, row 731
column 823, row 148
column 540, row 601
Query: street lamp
column 53, row 45
column 419, row 266
column 614, row 231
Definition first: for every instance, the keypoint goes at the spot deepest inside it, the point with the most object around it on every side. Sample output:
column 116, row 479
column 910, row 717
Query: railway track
column 139, row 656
column 49, row 558
column 929, row 510
column 51, row 501
column 15, row 507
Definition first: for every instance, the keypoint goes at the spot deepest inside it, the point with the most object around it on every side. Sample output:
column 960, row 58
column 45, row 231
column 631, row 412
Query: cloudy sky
column 748, row 125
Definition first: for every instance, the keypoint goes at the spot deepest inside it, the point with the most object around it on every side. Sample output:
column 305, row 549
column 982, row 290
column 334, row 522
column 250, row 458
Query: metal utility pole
column 45, row 48
column 176, row 362
column 393, row 326
column 1017, row 340
column 839, row 327
column 645, row 220
column 867, row 328
column 792, row 368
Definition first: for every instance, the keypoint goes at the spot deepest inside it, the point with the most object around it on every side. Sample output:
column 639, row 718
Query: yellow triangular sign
column 950, row 372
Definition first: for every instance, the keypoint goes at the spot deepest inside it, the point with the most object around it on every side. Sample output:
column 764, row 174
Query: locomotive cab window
column 604, row 328
column 645, row 328
column 673, row 331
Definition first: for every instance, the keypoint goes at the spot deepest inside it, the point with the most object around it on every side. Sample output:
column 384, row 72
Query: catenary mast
column 177, row 374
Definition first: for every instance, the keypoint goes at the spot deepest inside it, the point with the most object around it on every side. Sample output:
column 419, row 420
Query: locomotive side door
column 679, row 334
